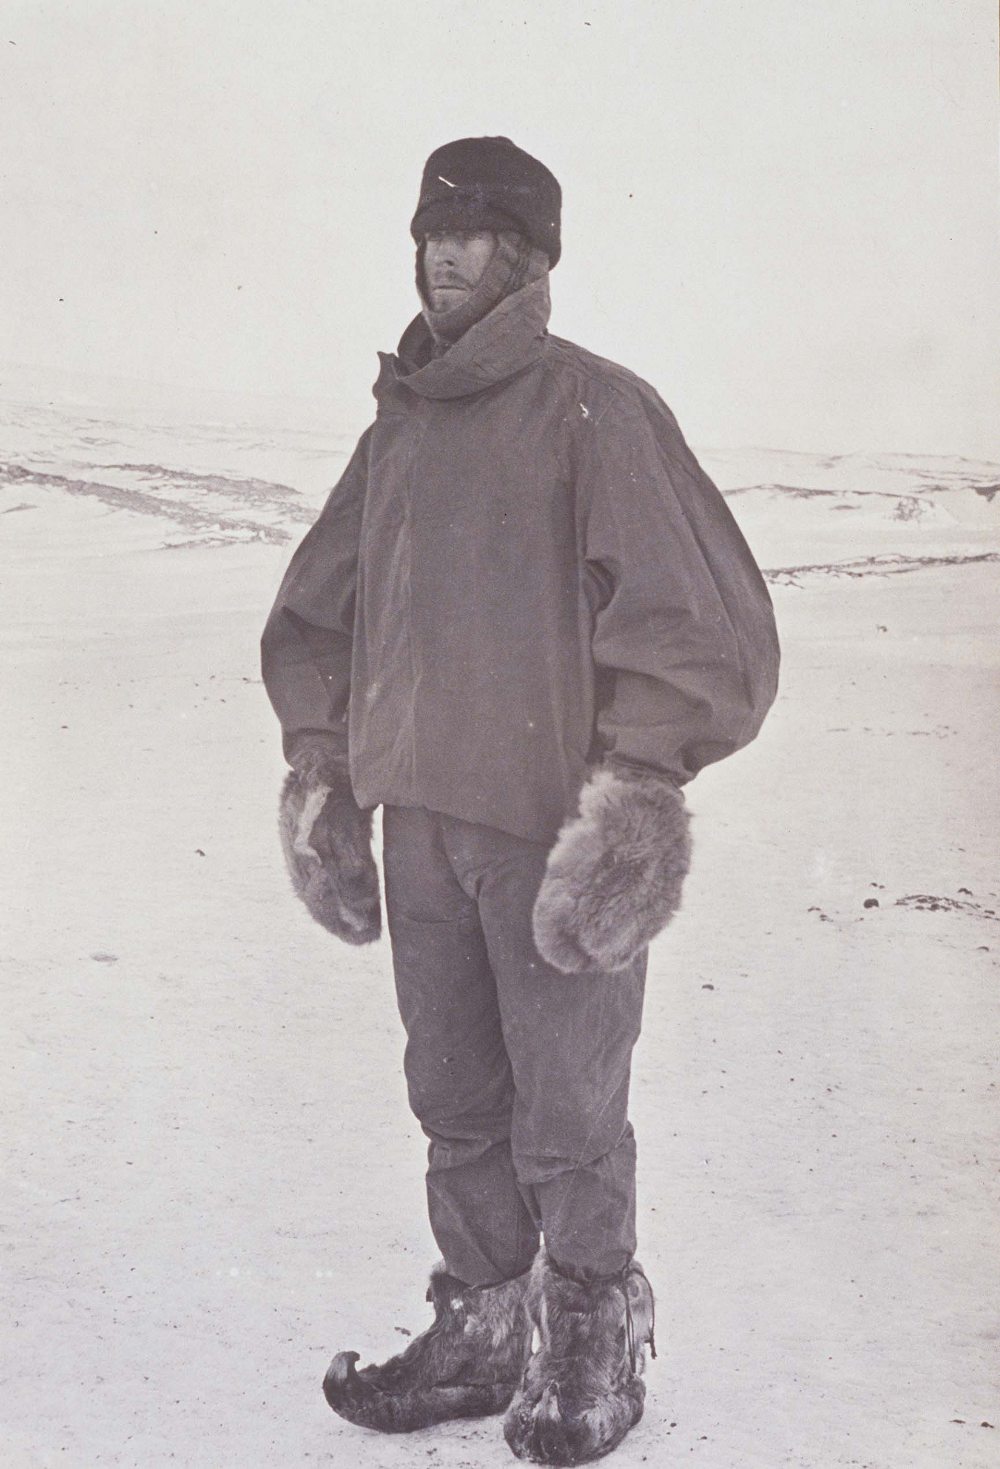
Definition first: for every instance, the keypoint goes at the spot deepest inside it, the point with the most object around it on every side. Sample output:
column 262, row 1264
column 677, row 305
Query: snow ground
column 213, row 1182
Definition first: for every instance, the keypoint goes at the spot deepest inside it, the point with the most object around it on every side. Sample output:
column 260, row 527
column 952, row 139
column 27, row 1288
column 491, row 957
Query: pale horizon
column 785, row 220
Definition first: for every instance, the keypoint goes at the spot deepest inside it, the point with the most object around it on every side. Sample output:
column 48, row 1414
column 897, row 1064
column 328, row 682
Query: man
column 523, row 620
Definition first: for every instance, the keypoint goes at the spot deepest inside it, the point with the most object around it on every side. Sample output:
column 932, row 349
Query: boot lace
column 621, row 1281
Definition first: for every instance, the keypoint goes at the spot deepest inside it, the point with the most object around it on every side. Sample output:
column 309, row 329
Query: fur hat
column 489, row 184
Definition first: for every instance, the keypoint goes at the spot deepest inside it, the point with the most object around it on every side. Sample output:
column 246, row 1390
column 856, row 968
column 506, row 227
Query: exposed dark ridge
column 217, row 481
column 160, row 505
column 888, row 565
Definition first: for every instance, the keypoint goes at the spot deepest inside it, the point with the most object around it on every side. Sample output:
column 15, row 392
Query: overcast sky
column 783, row 214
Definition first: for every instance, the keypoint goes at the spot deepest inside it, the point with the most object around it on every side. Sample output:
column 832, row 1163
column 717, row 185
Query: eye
column 462, row 236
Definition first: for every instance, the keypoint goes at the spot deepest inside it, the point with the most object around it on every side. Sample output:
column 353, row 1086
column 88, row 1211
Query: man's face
column 453, row 265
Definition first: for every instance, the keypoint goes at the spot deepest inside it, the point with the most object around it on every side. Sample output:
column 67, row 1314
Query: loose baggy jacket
column 522, row 571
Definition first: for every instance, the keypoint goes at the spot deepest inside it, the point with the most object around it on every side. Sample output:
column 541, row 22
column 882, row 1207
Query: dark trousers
column 518, row 1074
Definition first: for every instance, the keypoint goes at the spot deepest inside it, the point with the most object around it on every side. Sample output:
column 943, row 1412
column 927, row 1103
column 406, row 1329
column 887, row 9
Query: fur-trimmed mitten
column 326, row 839
column 465, row 1365
column 582, row 1389
column 614, row 876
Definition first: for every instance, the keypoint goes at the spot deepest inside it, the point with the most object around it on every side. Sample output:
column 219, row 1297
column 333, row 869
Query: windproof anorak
column 522, row 571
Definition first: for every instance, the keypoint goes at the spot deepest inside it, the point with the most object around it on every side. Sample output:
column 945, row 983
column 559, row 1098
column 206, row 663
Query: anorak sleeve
column 684, row 640
column 306, row 645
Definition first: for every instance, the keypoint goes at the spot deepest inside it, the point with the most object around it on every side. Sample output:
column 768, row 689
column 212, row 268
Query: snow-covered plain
column 212, row 1179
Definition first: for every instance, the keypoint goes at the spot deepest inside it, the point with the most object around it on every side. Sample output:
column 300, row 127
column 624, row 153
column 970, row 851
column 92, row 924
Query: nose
column 441, row 250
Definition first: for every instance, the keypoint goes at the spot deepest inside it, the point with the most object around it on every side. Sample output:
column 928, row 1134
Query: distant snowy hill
column 851, row 514
column 221, row 468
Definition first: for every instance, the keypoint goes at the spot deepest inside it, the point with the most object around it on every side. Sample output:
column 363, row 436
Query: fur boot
column 582, row 1389
column 326, row 839
column 613, row 879
column 465, row 1365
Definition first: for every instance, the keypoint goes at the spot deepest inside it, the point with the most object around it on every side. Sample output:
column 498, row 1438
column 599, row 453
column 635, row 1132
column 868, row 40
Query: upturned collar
column 509, row 339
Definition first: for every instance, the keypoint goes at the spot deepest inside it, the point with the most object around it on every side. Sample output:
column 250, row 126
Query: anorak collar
column 510, row 338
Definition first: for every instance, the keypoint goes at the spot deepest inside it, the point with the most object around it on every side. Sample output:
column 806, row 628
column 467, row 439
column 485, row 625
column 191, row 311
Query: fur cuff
column 614, row 877
column 316, row 762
